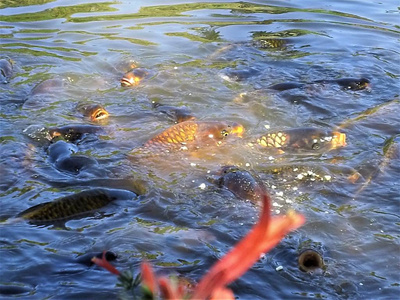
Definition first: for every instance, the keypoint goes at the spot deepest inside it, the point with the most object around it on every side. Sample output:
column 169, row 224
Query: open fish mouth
column 99, row 114
column 131, row 81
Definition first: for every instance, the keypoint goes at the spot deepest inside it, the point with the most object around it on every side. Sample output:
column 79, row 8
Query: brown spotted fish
column 240, row 182
column 72, row 206
column 192, row 135
column 298, row 139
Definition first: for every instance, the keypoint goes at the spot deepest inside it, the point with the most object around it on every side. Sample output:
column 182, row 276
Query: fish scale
column 69, row 206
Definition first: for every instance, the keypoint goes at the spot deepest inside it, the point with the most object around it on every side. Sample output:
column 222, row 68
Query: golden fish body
column 73, row 205
column 191, row 135
column 313, row 139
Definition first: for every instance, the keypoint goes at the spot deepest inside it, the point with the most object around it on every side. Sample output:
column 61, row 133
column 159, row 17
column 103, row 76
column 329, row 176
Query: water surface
column 183, row 223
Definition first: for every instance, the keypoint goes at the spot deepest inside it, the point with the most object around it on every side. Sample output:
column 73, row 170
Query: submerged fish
column 93, row 111
column 240, row 75
column 73, row 133
column 72, row 206
column 312, row 139
column 240, row 182
column 48, row 86
column 6, row 70
column 286, row 86
column 354, row 84
column 134, row 77
column 177, row 114
column 191, row 135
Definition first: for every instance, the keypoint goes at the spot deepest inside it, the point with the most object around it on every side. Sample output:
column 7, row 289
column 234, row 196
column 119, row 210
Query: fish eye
column 316, row 146
column 224, row 132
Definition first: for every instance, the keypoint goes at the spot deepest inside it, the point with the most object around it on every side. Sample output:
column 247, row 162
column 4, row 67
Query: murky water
column 215, row 59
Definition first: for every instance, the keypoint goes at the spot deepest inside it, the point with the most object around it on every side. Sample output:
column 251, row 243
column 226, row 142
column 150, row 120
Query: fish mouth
column 131, row 81
column 99, row 114
column 339, row 140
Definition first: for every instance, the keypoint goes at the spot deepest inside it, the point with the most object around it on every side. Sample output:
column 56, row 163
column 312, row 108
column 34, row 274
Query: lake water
column 182, row 223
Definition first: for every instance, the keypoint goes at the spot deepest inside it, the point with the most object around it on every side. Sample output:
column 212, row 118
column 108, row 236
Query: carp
column 73, row 133
column 298, row 139
column 93, row 111
column 134, row 77
column 192, row 135
column 73, row 206
column 240, row 182
column 177, row 114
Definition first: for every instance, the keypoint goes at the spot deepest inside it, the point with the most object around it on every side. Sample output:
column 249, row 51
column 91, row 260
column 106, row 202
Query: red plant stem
column 264, row 236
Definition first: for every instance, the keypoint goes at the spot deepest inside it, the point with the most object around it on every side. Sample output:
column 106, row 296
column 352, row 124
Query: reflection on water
column 210, row 61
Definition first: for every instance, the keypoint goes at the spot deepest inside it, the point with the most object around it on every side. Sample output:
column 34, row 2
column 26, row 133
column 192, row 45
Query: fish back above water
column 303, row 139
column 74, row 205
column 191, row 135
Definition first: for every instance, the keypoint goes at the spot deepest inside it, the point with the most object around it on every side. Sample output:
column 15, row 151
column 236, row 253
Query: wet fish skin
column 93, row 111
column 241, row 183
column 134, row 77
column 286, row 86
column 6, row 70
column 240, row 75
column 74, row 205
column 190, row 135
column 306, row 139
column 177, row 114
column 48, row 86
column 61, row 149
column 86, row 259
column 73, row 133
column 354, row 84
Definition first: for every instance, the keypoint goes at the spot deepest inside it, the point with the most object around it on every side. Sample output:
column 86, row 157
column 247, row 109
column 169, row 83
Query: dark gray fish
column 177, row 114
column 73, row 133
column 354, row 84
column 286, row 86
column 240, row 182
column 86, row 259
column 52, row 85
column 75, row 164
column 73, row 206
column 61, row 149
column 6, row 70
column 240, row 75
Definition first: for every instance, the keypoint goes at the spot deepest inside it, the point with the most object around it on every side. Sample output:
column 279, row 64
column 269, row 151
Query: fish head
column 97, row 113
column 133, row 77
